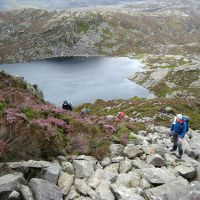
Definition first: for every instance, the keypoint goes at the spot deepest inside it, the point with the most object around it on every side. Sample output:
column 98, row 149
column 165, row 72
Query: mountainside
column 94, row 156
column 31, row 34
column 33, row 128
column 50, row 153
column 164, row 35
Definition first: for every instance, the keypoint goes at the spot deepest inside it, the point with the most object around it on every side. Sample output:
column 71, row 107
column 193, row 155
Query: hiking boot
column 172, row 150
column 179, row 156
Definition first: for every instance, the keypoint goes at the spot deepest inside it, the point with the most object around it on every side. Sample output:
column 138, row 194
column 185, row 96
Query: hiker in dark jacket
column 179, row 128
column 67, row 106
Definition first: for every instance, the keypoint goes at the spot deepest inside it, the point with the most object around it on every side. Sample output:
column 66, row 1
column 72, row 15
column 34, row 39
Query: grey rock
column 168, row 109
column 111, row 172
column 11, row 182
column 172, row 190
column 43, row 189
column 187, row 171
column 143, row 156
column 124, row 179
column 124, row 193
column 125, row 165
column 96, row 178
column 83, row 168
column 61, row 158
column 65, row 182
column 90, row 159
column 198, row 173
column 190, row 152
column 195, row 185
column 156, row 160
column 170, row 159
column 190, row 161
column 137, row 163
column 52, row 172
column 98, row 166
column 158, row 149
column 72, row 194
column 191, row 195
column 142, row 132
column 157, row 176
column 162, row 130
column 67, row 167
column 26, row 193
column 135, row 178
column 116, row 149
column 144, row 184
column 117, row 159
column 28, row 164
column 195, row 145
column 105, row 162
column 131, row 151
column 110, row 117
column 84, row 198
column 14, row 195
column 104, row 191
column 84, row 189
column 154, row 137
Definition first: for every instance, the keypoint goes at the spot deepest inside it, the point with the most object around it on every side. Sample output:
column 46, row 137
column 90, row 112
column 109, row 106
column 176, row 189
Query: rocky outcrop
column 11, row 182
column 45, row 190
column 52, row 173
column 172, row 190
column 83, row 168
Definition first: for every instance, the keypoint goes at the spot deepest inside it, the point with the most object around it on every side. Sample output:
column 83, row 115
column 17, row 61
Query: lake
column 58, row 4
column 81, row 80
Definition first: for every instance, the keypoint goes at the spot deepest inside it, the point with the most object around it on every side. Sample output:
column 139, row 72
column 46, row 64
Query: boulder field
column 144, row 169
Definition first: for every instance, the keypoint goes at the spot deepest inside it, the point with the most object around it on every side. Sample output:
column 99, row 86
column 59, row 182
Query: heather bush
column 124, row 138
column 2, row 148
column 11, row 115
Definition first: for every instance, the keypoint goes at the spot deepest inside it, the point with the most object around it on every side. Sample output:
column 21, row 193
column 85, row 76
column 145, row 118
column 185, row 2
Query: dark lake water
column 81, row 80
column 58, row 4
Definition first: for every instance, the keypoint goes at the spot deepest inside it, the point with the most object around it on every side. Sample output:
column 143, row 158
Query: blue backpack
column 186, row 120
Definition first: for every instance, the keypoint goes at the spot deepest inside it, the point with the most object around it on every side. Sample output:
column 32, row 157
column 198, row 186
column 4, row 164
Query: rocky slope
column 144, row 169
column 95, row 156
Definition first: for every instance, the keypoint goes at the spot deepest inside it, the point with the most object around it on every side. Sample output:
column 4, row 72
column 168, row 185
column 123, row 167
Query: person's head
column 179, row 118
column 65, row 102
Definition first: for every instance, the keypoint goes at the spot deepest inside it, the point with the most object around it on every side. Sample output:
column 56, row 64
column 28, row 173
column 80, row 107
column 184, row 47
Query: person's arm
column 184, row 131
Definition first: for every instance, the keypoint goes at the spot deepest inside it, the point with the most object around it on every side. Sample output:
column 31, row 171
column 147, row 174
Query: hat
column 179, row 116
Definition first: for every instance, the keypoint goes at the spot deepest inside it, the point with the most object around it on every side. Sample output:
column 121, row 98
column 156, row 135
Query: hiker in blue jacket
column 179, row 128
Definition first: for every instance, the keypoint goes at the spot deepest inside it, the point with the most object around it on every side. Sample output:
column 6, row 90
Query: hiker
column 66, row 105
column 120, row 116
column 84, row 111
column 179, row 128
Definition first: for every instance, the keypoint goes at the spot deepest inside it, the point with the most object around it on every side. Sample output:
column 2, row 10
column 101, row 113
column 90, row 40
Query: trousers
column 176, row 144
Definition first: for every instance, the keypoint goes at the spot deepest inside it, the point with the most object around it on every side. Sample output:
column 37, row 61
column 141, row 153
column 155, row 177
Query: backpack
column 186, row 121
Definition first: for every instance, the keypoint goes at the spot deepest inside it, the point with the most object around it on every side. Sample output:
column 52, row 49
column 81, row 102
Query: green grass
column 2, row 108
column 30, row 113
column 83, row 27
